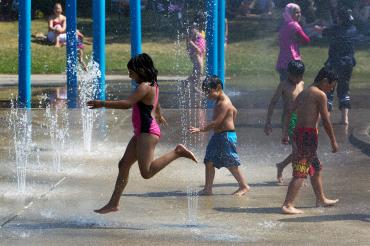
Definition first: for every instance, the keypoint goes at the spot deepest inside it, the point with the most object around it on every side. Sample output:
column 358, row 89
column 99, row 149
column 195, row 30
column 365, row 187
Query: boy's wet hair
column 296, row 68
column 326, row 73
column 211, row 82
column 143, row 65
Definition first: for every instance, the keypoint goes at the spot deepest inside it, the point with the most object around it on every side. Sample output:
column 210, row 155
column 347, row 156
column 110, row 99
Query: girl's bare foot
column 241, row 191
column 279, row 175
column 291, row 210
column 326, row 203
column 182, row 151
column 205, row 192
column 106, row 209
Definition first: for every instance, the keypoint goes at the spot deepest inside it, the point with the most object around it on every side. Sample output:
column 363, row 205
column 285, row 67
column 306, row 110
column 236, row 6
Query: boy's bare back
column 225, row 106
column 309, row 105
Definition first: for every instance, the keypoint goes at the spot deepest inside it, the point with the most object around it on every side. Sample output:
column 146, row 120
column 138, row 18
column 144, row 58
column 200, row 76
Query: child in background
column 144, row 103
column 310, row 106
column 57, row 26
column 288, row 90
column 196, row 47
column 221, row 149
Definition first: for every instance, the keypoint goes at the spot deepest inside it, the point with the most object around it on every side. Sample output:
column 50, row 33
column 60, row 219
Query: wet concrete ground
column 57, row 208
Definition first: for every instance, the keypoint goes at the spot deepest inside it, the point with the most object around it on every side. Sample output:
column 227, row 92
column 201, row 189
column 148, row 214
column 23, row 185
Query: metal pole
column 135, row 17
column 135, row 25
column 24, row 54
column 212, row 36
column 99, row 43
column 221, row 40
column 211, row 40
column 72, row 87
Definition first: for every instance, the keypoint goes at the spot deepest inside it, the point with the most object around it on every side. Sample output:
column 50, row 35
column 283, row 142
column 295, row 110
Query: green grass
column 251, row 52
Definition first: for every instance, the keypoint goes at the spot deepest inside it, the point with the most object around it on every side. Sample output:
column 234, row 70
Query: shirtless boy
column 310, row 105
column 221, row 149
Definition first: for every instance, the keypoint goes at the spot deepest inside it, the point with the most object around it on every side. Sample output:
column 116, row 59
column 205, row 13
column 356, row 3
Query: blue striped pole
column 99, row 43
column 221, row 40
column 24, row 54
column 72, row 87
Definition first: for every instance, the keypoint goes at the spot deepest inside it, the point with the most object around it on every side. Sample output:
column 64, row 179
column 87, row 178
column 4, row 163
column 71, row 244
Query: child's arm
column 323, row 109
column 50, row 24
column 193, row 45
column 159, row 116
column 64, row 26
column 220, row 113
column 139, row 94
column 275, row 98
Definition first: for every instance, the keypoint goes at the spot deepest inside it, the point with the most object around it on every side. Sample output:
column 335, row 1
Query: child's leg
column 321, row 200
column 81, row 59
column 128, row 159
column 239, row 176
column 57, row 41
column 280, row 168
column 210, row 176
column 145, row 153
column 293, row 189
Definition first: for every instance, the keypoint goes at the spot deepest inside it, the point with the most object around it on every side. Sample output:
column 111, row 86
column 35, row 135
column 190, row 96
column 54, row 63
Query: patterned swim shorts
column 305, row 160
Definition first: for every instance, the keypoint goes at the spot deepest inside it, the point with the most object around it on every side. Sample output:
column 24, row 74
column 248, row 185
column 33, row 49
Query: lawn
column 251, row 52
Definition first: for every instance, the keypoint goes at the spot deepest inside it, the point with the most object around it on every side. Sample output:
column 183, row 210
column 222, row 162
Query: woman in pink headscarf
column 291, row 35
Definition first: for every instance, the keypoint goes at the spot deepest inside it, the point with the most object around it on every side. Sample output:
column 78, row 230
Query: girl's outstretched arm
column 139, row 94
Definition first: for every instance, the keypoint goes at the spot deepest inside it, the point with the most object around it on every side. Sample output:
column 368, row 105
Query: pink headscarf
column 289, row 11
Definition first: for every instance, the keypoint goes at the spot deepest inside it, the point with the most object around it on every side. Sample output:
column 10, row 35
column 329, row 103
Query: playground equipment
column 215, row 36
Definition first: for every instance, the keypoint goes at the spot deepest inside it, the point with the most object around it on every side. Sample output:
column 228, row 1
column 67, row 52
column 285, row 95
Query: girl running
column 144, row 103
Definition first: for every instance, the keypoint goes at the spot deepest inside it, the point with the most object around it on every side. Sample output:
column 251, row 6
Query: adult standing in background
column 291, row 35
column 341, row 58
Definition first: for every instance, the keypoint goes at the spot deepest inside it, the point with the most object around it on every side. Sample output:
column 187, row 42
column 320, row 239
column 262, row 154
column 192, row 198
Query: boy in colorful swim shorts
column 221, row 149
column 288, row 89
column 310, row 105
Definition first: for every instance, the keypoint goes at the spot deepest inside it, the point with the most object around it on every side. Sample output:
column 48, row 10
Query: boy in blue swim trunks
column 221, row 149
column 288, row 89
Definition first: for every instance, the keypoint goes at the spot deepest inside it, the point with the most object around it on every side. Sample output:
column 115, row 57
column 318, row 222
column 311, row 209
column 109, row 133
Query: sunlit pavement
column 57, row 207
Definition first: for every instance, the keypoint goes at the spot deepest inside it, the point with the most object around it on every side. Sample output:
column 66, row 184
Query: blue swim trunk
column 221, row 150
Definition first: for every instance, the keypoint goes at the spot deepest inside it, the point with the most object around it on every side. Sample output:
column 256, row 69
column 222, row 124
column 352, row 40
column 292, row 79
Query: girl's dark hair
column 211, row 82
column 143, row 65
column 326, row 73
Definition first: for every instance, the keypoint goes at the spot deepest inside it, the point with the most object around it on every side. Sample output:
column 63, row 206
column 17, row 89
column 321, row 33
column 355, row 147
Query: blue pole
column 72, row 87
column 99, row 43
column 221, row 40
column 135, row 25
column 24, row 54
column 135, row 17
column 211, row 40
column 212, row 36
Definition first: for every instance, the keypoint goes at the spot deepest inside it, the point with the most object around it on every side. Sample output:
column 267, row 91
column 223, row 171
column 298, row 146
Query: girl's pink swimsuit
column 142, row 119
